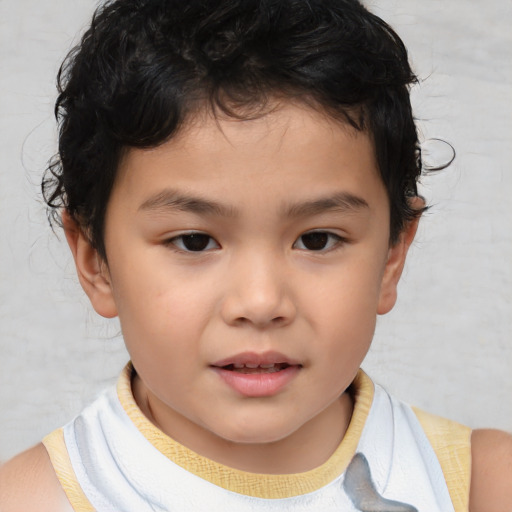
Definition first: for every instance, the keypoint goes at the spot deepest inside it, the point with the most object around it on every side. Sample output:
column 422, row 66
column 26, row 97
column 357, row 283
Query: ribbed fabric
column 56, row 448
column 452, row 445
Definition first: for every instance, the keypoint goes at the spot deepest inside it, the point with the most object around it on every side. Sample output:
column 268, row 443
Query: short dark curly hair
column 144, row 66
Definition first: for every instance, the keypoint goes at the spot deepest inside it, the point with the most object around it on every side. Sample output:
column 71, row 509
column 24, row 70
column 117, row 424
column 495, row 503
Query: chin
column 256, row 434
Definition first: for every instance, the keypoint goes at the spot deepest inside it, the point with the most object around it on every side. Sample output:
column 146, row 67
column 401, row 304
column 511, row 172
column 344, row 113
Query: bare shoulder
column 28, row 483
column 491, row 473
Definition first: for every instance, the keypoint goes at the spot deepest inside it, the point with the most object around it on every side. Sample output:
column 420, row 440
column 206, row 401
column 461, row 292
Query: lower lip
column 258, row 384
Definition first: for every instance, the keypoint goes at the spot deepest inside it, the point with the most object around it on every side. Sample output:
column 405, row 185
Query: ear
column 396, row 261
column 92, row 270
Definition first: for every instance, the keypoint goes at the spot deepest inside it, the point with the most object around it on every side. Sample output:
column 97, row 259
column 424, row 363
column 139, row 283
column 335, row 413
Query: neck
column 303, row 450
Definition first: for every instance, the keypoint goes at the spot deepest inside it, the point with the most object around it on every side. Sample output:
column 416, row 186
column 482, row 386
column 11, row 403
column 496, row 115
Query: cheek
column 153, row 289
column 350, row 295
column 344, row 309
column 163, row 313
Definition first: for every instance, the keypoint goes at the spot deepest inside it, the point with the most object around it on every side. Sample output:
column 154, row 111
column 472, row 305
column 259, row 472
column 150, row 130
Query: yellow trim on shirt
column 255, row 484
column 56, row 448
column 452, row 444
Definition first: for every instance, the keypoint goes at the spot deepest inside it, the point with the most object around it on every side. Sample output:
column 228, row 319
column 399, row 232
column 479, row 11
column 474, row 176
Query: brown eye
column 317, row 241
column 194, row 242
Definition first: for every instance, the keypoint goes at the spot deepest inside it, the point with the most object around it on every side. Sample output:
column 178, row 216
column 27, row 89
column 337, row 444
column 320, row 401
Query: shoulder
column 28, row 482
column 491, row 474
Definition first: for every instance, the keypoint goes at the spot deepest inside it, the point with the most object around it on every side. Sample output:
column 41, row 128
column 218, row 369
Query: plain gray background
column 447, row 345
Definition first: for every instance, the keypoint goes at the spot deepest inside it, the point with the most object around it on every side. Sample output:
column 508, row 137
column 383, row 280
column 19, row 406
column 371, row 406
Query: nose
column 258, row 292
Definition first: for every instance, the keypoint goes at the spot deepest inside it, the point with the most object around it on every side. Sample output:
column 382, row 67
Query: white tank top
column 111, row 459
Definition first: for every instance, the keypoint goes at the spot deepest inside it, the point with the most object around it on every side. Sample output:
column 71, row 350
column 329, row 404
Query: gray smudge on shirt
column 359, row 486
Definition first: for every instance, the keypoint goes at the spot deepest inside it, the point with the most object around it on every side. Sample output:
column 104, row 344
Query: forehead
column 293, row 150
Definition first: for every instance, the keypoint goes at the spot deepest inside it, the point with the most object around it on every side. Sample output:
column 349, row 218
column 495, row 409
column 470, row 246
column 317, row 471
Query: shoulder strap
column 56, row 448
column 452, row 444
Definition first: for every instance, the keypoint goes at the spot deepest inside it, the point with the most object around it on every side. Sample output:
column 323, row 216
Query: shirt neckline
column 243, row 482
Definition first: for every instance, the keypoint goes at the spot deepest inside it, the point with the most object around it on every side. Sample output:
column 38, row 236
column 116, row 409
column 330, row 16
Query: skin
column 254, row 289
column 255, row 190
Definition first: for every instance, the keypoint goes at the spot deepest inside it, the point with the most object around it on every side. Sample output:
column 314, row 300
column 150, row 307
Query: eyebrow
column 173, row 200
column 168, row 200
column 343, row 202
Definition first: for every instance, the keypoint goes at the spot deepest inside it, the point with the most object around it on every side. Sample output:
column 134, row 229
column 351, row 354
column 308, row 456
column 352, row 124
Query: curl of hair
column 144, row 66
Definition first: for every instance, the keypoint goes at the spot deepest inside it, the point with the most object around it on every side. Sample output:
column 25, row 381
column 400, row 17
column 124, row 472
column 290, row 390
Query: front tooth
column 267, row 366
column 251, row 365
column 238, row 366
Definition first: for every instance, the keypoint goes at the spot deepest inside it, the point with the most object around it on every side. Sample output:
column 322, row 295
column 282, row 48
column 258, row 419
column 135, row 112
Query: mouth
column 257, row 375
column 249, row 368
column 250, row 362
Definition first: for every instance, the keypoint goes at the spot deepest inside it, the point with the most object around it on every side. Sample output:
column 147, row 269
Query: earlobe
column 396, row 261
column 92, row 270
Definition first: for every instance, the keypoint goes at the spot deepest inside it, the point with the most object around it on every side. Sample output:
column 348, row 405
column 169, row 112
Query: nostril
column 261, row 312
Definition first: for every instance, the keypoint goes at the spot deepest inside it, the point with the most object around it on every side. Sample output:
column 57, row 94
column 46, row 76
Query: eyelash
column 199, row 237
column 204, row 242
column 336, row 241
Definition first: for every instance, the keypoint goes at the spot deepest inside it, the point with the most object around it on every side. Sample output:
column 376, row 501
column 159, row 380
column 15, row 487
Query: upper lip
column 253, row 358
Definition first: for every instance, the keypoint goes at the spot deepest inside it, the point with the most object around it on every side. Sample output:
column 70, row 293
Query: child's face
column 240, row 244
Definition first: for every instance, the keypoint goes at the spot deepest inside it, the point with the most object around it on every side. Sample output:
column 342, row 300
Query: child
column 237, row 182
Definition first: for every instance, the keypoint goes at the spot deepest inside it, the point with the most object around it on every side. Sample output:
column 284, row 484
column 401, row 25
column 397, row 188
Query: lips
column 257, row 375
